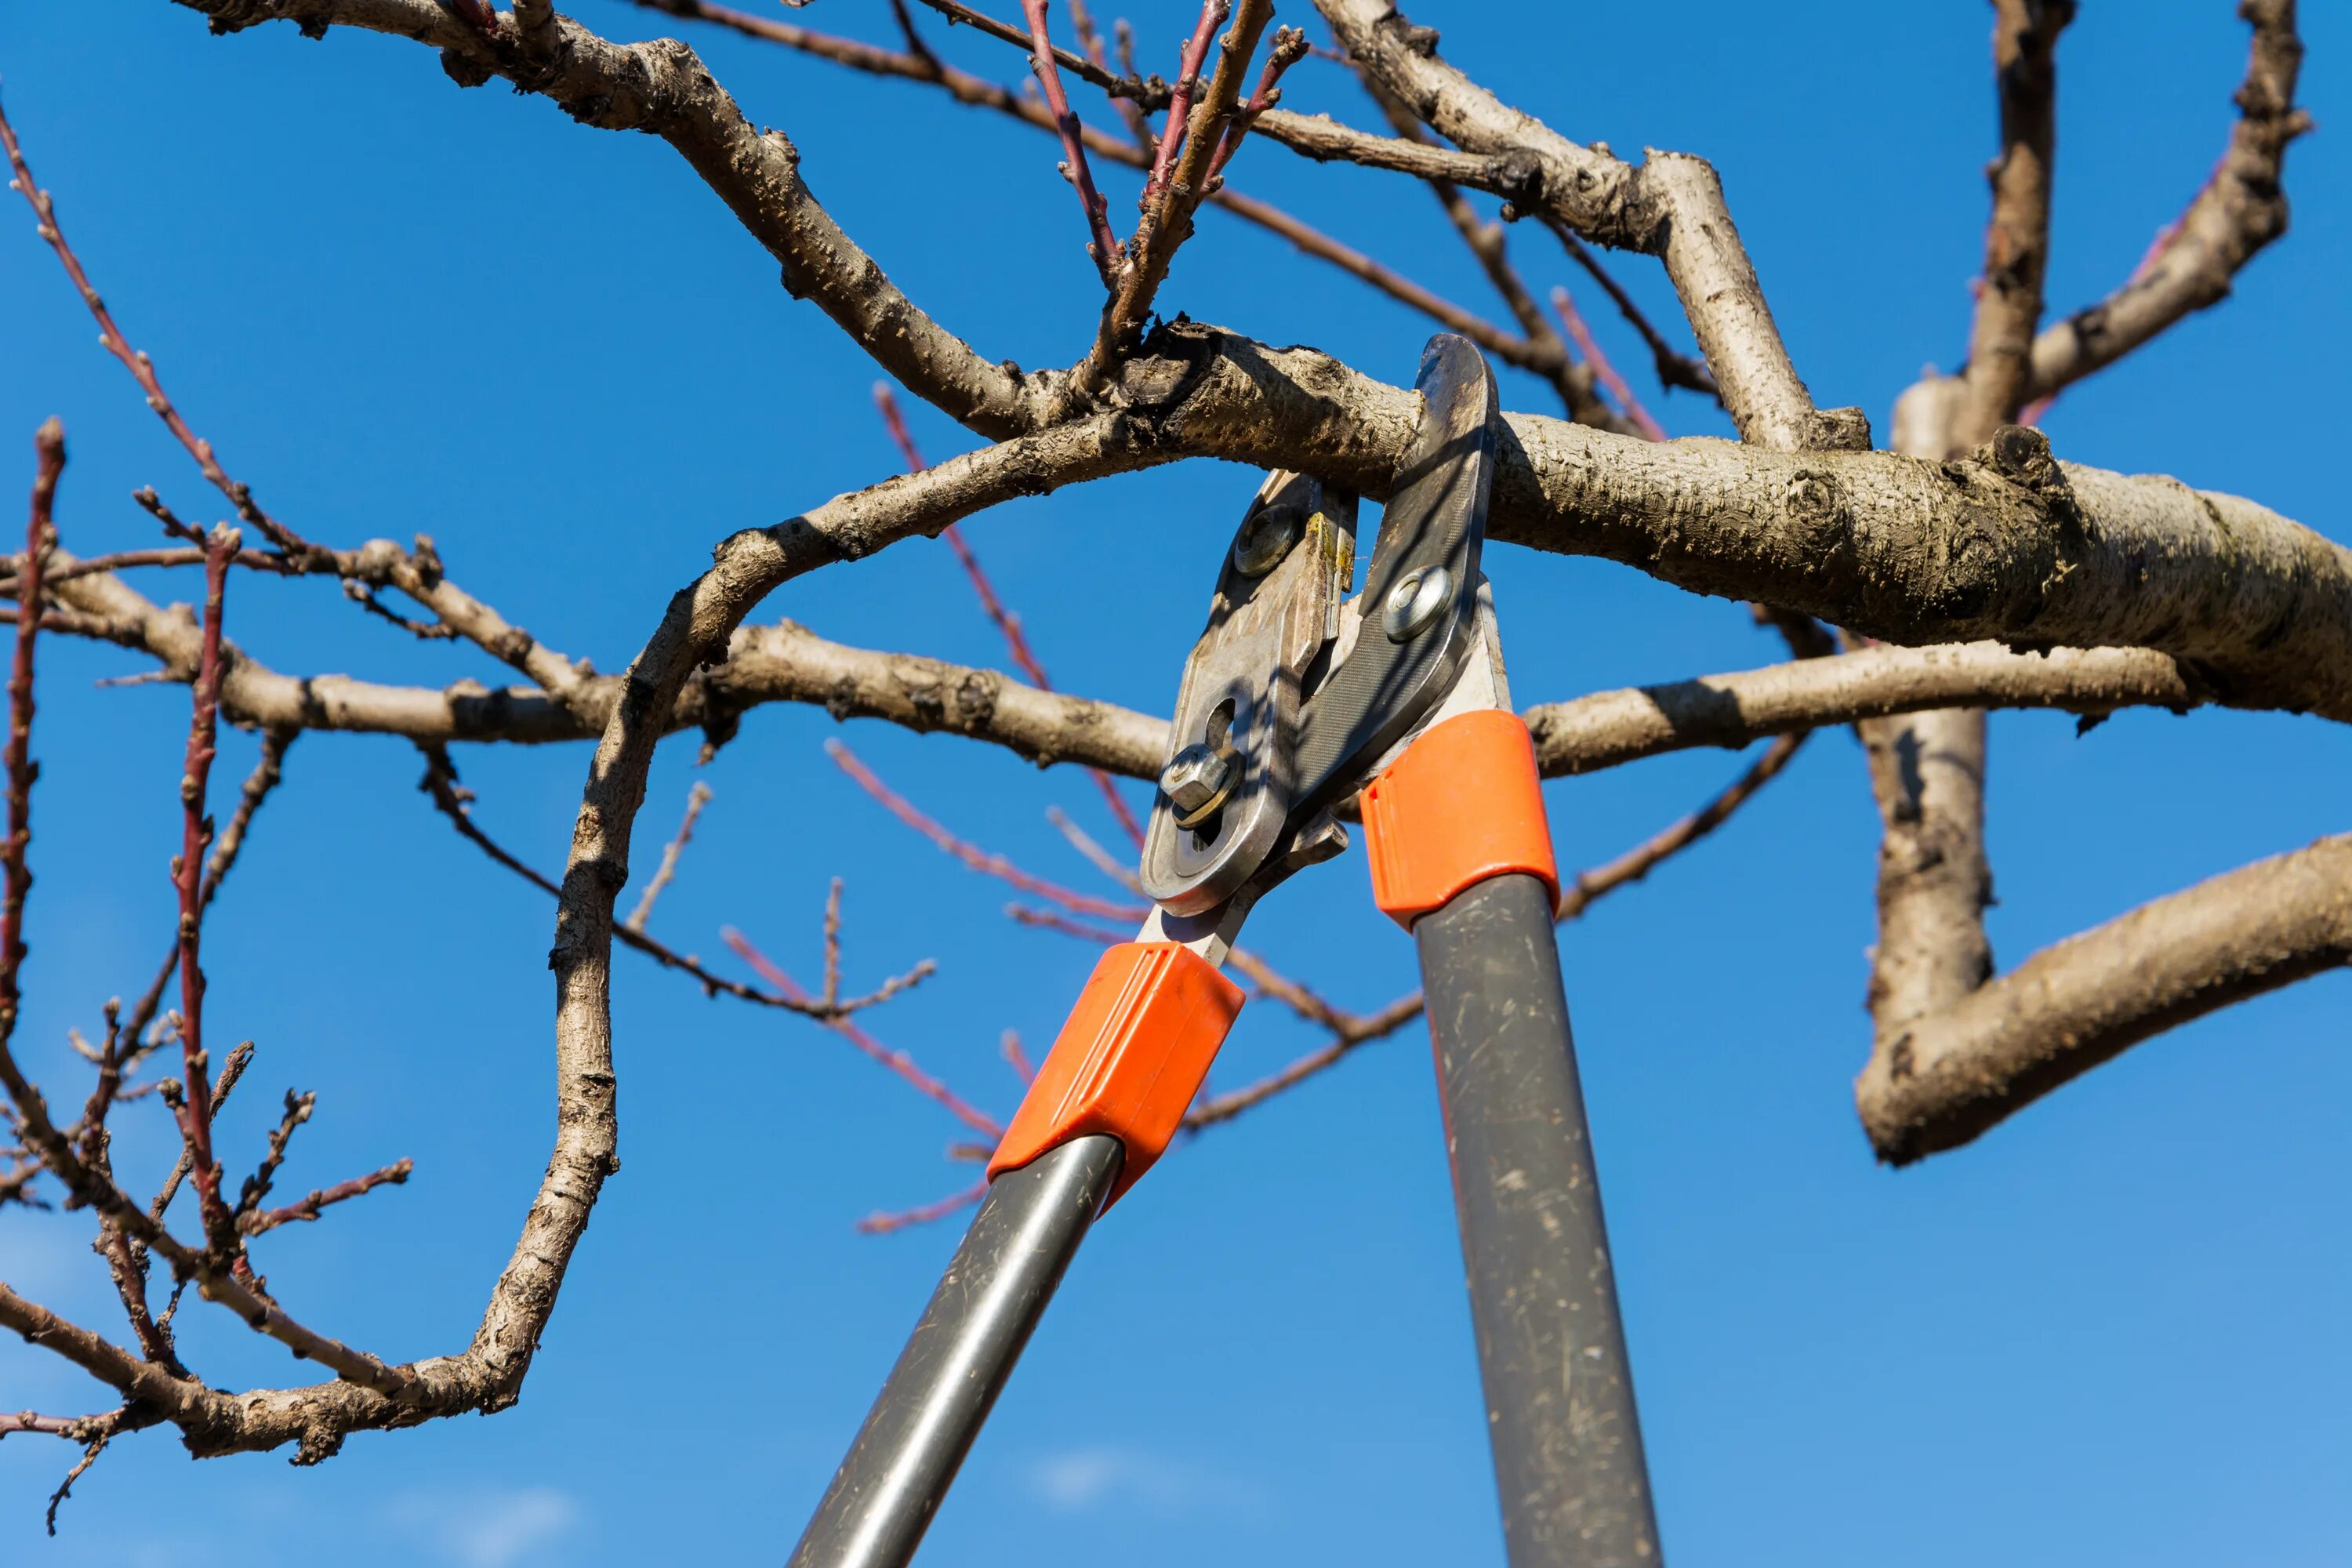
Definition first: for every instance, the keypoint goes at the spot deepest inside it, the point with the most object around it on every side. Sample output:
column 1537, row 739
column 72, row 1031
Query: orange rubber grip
column 1464, row 803
column 1135, row 1048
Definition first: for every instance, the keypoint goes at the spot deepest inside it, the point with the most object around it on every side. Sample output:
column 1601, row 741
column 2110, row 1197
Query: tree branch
column 2242, row 208
column 1671, row 205
column 2082, row 1002
column 661, row 87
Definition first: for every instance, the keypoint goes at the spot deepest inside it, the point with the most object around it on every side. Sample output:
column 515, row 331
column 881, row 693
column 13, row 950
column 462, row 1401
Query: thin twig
column 1103, row 245
column 1582, row 335
column 308, row 1209
column 140, row 367
column 883, row 1223
column 1009, row 1045
column 1674, row 368
column 695, row 799
column 897, row 1061
column 453, row 801
column 1646, row 856
column 983, row 862
column 268, row 771
column 1007, row 624
column 188, row 876
column 1117, row 870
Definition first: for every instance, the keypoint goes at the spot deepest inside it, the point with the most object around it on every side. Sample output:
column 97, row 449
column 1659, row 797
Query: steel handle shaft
column 1551, row 1348
column 905, row 1455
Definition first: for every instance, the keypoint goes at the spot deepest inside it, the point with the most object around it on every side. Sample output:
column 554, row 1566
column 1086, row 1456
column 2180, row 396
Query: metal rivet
column 1266, row 537
column 1416, row 601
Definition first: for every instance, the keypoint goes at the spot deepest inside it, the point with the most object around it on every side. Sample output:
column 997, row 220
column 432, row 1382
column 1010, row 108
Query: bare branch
column 2017, row 239
column 1671, row 205
column 2081, row 1003
column 453, row 801
column 320, row 1198
column 1169, row 204
column 695, row 799
column 2242, row 208
column 1611, row 728
column 1103, row 245
column 1647, row 856
column 142, row 369
column 661, row 87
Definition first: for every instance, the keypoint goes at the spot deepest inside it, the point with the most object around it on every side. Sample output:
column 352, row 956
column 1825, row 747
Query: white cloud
column 492, row 1531
column 1081, row 1478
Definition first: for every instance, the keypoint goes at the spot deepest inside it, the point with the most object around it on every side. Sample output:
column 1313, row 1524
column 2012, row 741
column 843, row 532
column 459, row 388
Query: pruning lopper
column 1295, row 703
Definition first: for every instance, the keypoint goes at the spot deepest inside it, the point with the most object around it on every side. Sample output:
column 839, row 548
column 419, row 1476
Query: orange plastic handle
column 1464, row 803
column 1129, row 1061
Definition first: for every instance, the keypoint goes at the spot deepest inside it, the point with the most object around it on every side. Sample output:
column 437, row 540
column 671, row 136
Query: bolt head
column 1194, row 776
column 1414, row 603
column 1265, row 538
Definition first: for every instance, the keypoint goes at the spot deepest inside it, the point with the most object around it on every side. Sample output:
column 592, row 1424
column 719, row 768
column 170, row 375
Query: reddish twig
column 1582, row 335
column 1180, row 103
column 142, row 369
column 268, row 771
column 1009, row 1044
column 1643, row 858
column 1047, row 920
column 1674, row 368
column 1288, row 48
column 1100, row 857
column 972, row 854
column 883, row 1223
column 1007, row 624
column 1103, row 246
column 897, row 1061
column 188, row 876
column 308, row 1209
column 452, row 800
column 695, row 799
column 48, row 462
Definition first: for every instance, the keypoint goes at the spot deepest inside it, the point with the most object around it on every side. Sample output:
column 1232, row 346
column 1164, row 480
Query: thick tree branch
column 2071, row 1006
column 2005, row 543
column 1671, row 205
column 1609, row 728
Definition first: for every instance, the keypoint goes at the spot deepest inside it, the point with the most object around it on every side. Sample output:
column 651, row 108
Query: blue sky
column 2111, row 1332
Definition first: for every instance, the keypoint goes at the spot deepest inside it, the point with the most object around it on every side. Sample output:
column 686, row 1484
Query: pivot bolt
column 1265, row 538
column 1415, row 602
column 1196, row 780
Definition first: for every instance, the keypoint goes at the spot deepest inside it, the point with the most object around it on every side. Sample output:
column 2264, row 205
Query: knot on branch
column 1411, row 39
column 229, row 17
column 2021, row 453
column 464, row 67
column 1167, row 365
column 1838, row 430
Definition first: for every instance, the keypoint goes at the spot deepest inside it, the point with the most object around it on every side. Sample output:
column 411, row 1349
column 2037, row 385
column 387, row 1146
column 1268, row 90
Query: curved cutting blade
column 1435, row 521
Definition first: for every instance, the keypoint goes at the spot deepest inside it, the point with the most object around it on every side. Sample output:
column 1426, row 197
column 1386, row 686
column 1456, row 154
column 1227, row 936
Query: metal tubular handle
column 1028, row 1228
column 1552, row 1349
